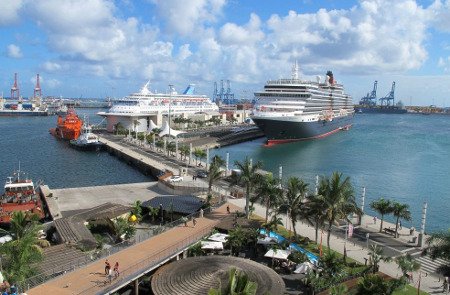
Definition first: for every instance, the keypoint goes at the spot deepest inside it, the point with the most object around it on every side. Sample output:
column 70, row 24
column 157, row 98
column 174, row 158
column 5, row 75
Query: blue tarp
column 280, row 239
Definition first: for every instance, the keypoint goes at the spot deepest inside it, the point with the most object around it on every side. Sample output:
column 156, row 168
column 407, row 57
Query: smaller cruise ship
column 137, row 110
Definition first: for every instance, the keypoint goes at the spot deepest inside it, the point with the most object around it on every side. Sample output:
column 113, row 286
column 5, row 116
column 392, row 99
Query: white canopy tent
column 304, row 267
column 208, row 245
column 218, row 237
column 152, row 126
column 166, row 130
column 278, row 254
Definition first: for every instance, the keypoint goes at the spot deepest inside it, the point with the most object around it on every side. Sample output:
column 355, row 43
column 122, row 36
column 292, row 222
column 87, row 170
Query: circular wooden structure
column 196, row 275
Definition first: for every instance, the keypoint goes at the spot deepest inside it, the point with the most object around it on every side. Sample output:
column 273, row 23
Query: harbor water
column 27, row 140
column 400, row 157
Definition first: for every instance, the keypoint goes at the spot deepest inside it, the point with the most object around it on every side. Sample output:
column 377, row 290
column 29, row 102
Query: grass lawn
column 408, row 290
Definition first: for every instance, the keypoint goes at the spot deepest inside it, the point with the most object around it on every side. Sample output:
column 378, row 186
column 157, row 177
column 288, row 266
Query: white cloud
column 232, row 34
column 190, row 17
column 9, row 11
column 13, row 51
column 444, row 63
column 440, row 15
column 51, row 66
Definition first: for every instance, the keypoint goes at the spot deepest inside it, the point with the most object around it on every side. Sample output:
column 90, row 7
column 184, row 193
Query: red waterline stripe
column 281, row 141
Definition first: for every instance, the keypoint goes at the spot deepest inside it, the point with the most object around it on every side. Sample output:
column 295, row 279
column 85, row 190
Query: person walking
column 201, row 213
column 110, row 275
column 107, row 267
column 374, row 220
column 194, row 221
column 116, row 270
column 228, row 209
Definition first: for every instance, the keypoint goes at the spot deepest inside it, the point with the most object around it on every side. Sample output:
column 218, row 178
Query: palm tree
column 331, row 264
column 268, row 192
column 171, row 148
column 236, row 239
column 238, row 283
column 407, row 264
column 136, row 210
column 184, row 151
column 315, row 213
column 383, row 207
column 199, row 154
column 273, row 224
column 373, row 284
column 293, row 198
column 400, row 211
column 339, row 200
column 24, row 251
column 153, row 212
column 123, row 230
column 248, row 177
column 439, row 245
column 214, row 172
column 376, row 256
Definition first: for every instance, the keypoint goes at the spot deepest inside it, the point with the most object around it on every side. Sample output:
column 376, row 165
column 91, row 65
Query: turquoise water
column 26, row 139
column 401, row 157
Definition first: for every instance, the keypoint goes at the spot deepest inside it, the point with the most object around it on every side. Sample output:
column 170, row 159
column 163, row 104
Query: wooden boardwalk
column 135, row 259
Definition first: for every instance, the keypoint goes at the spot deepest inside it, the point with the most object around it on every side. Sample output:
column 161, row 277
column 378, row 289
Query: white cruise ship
column 136, row 111
column 292, row 109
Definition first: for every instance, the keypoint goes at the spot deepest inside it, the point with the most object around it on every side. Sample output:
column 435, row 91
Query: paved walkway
column 357, row 249
column 91, row 279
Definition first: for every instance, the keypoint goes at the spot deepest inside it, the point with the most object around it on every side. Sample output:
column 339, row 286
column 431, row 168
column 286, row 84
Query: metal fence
column 97, row 255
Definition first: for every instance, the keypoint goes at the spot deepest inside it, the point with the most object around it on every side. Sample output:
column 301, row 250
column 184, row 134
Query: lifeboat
column 69, row 127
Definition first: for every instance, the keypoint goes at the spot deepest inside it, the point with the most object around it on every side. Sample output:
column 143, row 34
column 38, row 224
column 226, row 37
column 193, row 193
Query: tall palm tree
column 248, row 177
column 184, row 151
column 315, row 213
column 383, row 207
column 339, row 200
column 400, row 211
column 268, row 192
column 21, row 254
column 199, row 154
column 376, row 256
column 407, row 264
column 238, row 283
column 214, row 172
column 293, row 198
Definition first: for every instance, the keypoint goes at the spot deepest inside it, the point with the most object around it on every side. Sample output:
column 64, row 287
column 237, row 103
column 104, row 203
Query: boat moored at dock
column 69, row 127
column 87, row 140
column 19, row 195
column 290, row 110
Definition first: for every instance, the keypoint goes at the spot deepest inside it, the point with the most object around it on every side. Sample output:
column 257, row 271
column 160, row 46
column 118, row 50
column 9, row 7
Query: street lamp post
column 367, row 240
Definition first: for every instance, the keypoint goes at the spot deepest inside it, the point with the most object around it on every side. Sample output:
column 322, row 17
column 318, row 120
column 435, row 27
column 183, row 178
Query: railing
column 56, row 272
column 150, row 262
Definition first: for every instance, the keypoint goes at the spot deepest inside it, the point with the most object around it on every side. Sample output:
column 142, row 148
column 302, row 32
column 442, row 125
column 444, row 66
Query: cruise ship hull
column 280, row 131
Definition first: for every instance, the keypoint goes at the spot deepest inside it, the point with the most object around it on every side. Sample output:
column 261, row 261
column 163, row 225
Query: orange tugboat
column 68, row 128
column 19, row 195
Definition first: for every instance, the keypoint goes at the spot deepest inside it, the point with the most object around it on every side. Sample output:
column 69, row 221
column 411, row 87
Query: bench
column 389, row 231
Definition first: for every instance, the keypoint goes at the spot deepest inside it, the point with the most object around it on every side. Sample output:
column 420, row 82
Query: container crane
column 371, row 98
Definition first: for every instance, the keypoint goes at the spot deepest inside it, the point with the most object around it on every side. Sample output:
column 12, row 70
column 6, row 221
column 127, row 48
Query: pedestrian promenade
column 91, row 279
column 430, row 283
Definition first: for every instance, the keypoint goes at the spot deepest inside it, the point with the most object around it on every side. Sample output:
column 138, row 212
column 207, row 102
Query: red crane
column 37, row 89
column 15, row 89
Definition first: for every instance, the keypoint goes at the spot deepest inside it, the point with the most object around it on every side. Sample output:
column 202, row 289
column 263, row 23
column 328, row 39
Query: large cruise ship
column 136, row 111
column 292, row 109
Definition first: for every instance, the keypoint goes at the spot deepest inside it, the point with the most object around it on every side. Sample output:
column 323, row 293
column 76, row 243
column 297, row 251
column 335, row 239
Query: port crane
column 389, row 98
column 371, row 98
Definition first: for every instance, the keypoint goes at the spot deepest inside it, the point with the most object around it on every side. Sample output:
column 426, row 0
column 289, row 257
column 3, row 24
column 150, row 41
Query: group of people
column 109, row 272
column 8, row 289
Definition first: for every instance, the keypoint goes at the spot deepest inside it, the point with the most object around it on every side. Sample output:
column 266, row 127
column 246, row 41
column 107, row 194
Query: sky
column 106, row 48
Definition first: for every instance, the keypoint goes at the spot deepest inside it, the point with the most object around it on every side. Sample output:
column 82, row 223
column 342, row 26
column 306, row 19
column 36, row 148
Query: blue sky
column 99, row 48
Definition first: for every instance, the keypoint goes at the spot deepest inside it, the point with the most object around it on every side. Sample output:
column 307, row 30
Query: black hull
column 87, row 147
column 380, row 110
column 278, row 131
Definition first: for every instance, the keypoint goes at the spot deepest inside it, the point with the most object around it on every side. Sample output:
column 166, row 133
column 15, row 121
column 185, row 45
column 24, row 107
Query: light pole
column 367, row 240
column 170, row 103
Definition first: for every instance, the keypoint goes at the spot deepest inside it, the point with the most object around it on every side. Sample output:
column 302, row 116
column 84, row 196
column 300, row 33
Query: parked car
column 202, row 174
column 176, row 178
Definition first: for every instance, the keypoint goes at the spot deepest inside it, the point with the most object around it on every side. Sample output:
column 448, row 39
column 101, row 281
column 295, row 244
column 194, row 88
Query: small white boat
column 87, row 140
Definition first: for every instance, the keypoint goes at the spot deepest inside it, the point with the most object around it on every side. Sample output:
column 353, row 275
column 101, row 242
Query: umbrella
column 207, row 245
column 218, row 237
column 278, row 254
column 304, row 267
